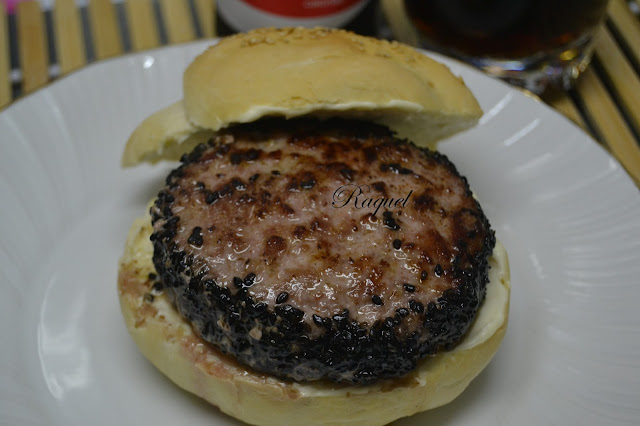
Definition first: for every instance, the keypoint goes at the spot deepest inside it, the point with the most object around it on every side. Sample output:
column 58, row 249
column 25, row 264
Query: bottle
column 243, row 15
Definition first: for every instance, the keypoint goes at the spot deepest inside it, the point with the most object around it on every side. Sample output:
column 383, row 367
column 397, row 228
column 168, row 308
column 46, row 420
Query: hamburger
column 312, row 260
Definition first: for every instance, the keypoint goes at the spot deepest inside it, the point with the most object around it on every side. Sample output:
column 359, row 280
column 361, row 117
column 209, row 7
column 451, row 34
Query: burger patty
column 313, row 250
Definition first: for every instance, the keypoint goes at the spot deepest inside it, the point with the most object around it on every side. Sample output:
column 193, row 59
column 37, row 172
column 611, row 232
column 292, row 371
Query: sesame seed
column 238, row 282
column 195, row 239
column 377, row 300
column 416, row 306
column 318, row 320
column 282, row 297
column 389, row 221
column 249, row 279
column 408, row 287
column 402, row 312
column 211, row 197
column 438, row 270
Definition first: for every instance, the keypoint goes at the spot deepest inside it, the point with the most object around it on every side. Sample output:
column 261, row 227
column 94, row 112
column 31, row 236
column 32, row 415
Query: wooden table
column 37, row 46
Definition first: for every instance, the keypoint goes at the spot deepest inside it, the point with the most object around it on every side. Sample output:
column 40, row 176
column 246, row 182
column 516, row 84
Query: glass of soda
column 536, row 44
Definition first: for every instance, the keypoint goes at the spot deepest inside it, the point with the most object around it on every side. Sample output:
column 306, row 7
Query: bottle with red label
column 243, row 15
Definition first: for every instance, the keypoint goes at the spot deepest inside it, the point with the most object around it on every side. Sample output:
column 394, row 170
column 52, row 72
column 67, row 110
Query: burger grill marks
column 251, row 251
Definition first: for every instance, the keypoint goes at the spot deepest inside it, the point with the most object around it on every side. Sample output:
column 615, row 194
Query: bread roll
column 169, row 342
column 299, row 72
column 322, row 72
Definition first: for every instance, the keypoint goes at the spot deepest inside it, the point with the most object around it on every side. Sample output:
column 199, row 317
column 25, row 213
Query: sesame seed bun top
column 322, row 72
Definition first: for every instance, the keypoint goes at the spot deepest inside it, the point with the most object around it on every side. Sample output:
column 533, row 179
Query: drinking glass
column 536, row 44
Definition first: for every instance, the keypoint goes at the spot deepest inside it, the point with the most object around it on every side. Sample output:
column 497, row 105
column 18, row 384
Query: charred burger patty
column 311, row 249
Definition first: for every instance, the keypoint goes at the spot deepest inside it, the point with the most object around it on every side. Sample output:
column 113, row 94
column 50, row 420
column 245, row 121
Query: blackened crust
column 253, row 250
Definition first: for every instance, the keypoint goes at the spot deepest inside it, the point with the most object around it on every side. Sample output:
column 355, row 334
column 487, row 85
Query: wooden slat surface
column 398, row 20
column 621, row 75
column 104, row 29
column 206, row 10
column 5, row 82
column 142, row 24
column 611, row 127
column 69, row 39
column 34, row 55
column 627, row 24
column 177, row 20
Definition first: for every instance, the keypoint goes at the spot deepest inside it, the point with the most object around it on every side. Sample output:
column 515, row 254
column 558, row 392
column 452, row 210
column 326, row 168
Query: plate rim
column 133, row 55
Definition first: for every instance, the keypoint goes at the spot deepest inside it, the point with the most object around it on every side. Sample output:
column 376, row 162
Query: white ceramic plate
column 566, row 211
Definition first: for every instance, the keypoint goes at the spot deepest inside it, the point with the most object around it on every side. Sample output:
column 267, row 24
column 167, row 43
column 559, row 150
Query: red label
column 302, row 8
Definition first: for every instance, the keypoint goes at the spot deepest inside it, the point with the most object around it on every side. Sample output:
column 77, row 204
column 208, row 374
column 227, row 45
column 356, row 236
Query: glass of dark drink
column 535, row 44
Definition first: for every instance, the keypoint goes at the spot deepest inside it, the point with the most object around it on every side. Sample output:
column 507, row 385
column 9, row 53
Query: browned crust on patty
column 254, row 251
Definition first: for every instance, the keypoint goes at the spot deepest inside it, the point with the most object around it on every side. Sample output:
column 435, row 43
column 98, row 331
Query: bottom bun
column 169, row 342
